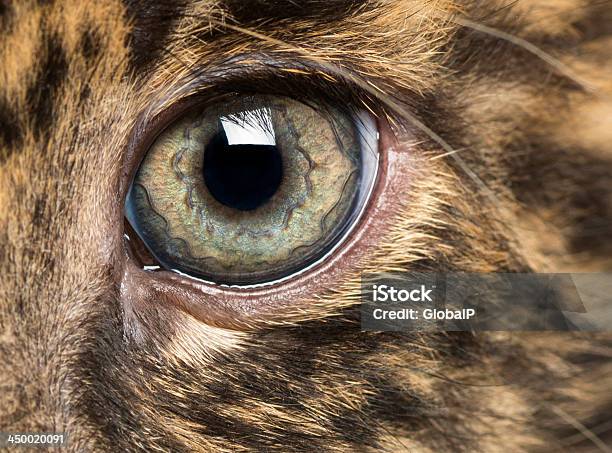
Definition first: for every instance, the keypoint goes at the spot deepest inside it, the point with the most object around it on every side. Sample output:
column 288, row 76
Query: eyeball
column 254, row 188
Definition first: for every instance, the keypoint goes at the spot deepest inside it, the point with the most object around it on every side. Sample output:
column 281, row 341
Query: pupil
column 241, row 176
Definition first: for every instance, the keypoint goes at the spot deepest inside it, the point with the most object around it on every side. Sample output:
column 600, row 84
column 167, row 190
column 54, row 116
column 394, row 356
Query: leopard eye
column 254, row 188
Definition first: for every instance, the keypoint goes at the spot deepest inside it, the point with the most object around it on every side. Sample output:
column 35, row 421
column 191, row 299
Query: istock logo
column 384, row 293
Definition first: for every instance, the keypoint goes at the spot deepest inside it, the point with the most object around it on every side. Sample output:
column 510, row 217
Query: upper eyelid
column 262, row 73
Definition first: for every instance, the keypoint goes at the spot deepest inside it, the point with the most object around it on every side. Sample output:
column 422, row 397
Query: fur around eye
column 253, row 189
column 491, row 157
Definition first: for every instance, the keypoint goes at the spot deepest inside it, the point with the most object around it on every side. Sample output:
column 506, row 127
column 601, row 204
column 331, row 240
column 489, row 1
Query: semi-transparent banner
column 486, row 302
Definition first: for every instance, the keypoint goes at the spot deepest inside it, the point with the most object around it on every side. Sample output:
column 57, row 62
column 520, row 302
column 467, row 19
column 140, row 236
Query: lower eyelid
column 238, row 308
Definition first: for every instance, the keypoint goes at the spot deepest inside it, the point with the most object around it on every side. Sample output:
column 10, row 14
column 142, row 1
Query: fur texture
column 80, row 356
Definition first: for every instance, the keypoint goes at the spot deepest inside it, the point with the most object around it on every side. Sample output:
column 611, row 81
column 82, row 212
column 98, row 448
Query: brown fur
column 80, row 356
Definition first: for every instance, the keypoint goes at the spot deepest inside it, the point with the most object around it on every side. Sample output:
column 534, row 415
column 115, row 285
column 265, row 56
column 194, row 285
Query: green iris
column 252, row 189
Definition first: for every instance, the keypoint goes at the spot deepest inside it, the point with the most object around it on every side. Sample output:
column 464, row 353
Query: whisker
column 583, row 429
column 602, row 428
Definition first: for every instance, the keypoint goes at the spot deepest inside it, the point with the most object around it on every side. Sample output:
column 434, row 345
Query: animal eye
column 253, row 189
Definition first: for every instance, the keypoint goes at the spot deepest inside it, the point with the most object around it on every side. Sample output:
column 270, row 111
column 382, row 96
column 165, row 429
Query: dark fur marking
column 322, row 10
column 597, row 23
column 11, row 132
column 478, row 53
column 153, row 24
column 104, row 403
column 483, row 55
column 42, row 93
column 38, row 216
column 5, row 14
column 116, row 377
column 90, row 44
column 590, row 225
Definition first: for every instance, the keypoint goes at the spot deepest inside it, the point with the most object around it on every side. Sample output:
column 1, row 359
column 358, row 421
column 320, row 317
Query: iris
column 252, row 189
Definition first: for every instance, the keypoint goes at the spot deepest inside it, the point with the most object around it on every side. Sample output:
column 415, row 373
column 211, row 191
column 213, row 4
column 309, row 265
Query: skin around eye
column 253, row 189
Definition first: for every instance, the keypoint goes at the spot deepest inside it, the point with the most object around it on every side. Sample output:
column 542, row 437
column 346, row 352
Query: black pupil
column 241, row 176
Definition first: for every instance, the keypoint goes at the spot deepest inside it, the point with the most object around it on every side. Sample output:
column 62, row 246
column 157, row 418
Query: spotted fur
column 79, row 356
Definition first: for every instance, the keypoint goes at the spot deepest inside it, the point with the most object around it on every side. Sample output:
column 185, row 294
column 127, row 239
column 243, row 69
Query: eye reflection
column 253, row 189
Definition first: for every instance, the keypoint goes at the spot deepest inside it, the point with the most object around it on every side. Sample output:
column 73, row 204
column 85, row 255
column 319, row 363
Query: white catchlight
column 253, row 127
